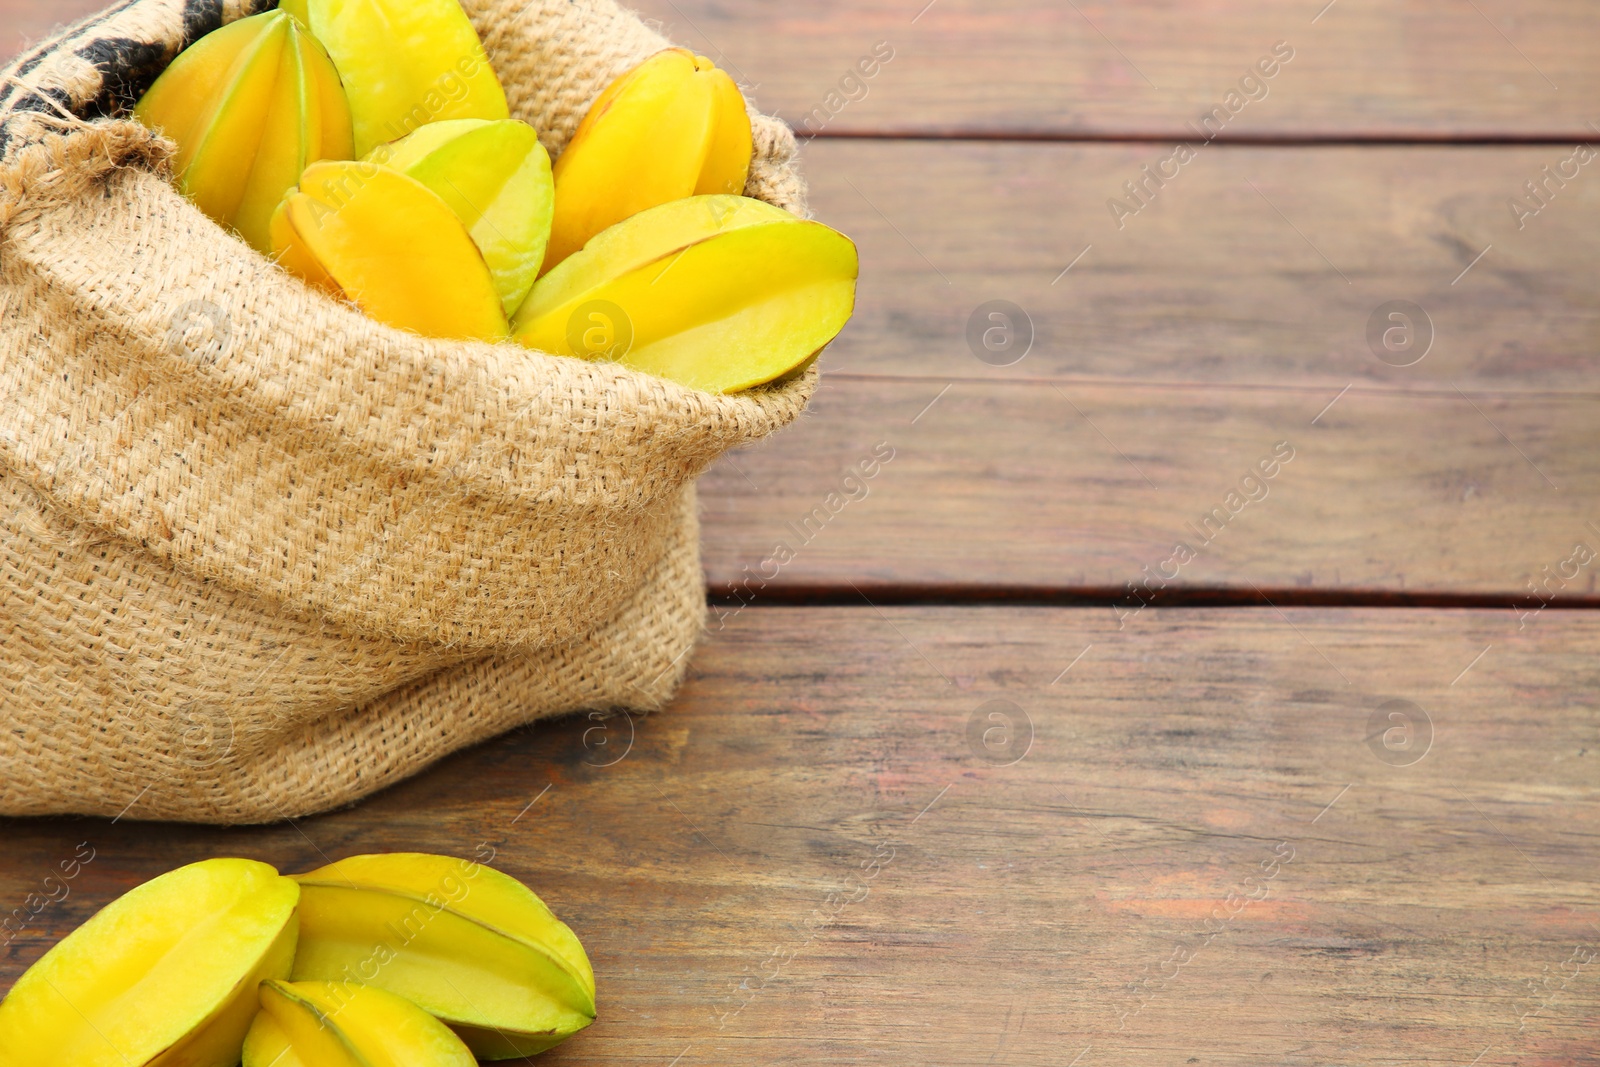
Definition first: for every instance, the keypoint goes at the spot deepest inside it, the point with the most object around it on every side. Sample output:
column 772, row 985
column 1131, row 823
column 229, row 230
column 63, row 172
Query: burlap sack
column 259, row 555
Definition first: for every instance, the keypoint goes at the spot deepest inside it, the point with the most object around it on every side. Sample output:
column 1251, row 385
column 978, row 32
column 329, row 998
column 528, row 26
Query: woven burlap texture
column 261, row 556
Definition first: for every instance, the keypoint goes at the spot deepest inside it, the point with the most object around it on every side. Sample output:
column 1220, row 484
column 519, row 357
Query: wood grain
column 1361, row 68
column 1193, row 835
column 1080, row 487
column 1221, row 320
column 1253, row 265
column 1364, row 68
column 1034, row 888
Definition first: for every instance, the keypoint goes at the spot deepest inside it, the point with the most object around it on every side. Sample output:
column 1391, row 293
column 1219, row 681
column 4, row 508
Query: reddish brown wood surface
column 25, row 22
column 1194, row 836
column 1067, row 486
column 1256, row 266
column 1423, row 68
column 1232, row 313
column 1050, row 881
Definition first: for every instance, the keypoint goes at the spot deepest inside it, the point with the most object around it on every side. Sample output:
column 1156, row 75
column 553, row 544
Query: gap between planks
column 1384, row 389
column 1421, row 138
column 908, row 594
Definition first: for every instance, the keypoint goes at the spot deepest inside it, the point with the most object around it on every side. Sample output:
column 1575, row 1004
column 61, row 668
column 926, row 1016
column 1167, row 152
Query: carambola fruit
column 496, row 178
column 405, row 63
column 469, row 945
column 164, row 976
column 674, row 126
column 250, row 106
column 340, row 1024
column 719, row 293
column 390, row 245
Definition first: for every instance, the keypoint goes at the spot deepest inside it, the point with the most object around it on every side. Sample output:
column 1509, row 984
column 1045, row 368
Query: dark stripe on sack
column 127, row 67
column 34, row 102
column 32, row 62
column 200, row 17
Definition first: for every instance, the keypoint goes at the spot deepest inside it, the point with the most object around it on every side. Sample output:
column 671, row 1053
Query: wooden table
column 993, row 772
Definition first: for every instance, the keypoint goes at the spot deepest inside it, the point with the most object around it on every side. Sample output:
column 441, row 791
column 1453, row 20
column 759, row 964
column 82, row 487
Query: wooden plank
column 1191, row 845
column 1253, row 265
column 1078, row 487
column 1425, row 68
column 1175, row 354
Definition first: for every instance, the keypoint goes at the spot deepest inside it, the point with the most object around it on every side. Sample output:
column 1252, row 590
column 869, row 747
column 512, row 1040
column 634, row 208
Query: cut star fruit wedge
column 250, row 106
column 471, row 946
column 342, row 1024
column 390, row 245
column 719, row 293
column 496, row 178
column 165, row 976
